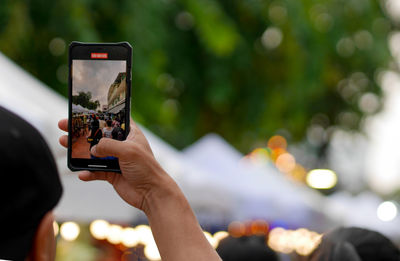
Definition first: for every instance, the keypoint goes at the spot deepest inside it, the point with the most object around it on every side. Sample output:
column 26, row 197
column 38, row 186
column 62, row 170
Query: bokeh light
column 259, row 227
column 151, row 252
column 129, row 237
column 99, row 229
column 278, row 240
column 213, row 242
column 57, row 46
column 302, row 241
column 114, row 235
column 363, row 40
column 369, row 103
column 184, row 21
column 345, row 47
column 276, row 142
column 144, row 234
column 259, row 156
column 321, row 179
column 272, row 37
column 276, row 153
column 323, row 22
column 277, row 13
column 236, row 229
column 285, row 162
column 218, row 236
column 69, row 231
column 298, row 173
column 387, row 211
column 393, row 8
column 55, row 228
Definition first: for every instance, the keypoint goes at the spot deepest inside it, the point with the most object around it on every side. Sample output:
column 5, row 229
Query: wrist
column 164, row 193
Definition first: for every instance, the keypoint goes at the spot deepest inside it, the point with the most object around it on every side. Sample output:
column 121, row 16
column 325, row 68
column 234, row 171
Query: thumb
column 108, row 147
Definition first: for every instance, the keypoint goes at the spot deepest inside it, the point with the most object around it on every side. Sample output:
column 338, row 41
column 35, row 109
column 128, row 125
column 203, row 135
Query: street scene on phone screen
column 98, row 103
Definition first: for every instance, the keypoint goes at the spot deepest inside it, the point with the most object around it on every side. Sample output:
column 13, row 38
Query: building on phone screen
column 117, row 94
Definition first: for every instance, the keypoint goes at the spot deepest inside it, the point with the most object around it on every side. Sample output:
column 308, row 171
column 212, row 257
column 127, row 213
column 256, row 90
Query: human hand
column 145, row 185
column 141, row 173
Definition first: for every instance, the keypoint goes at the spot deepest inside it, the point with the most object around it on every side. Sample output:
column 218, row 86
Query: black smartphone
column 99, row 101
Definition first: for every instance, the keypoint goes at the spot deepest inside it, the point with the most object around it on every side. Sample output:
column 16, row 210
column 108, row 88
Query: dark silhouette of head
column 29, row 189
column 252, row 248
column 355, row 244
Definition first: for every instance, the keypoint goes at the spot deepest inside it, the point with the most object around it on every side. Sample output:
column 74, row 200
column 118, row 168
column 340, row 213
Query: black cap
column 29, row 184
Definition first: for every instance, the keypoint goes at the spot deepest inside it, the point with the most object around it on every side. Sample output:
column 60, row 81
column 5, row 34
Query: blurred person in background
column 252, row 248
column 107, row 130
column 95, row 134
column 355, row 244
column 118, row 133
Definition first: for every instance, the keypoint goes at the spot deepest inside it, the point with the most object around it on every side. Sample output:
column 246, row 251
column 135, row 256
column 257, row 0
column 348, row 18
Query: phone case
column 73, row 45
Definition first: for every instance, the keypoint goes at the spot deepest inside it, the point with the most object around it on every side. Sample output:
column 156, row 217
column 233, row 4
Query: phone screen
column 99, row 91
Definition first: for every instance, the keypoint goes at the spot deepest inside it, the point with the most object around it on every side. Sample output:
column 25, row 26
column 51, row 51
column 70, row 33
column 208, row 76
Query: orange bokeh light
column 236, row 229
column 276, row 142
column 259, row 227
column 276, row 153
column 285, row 162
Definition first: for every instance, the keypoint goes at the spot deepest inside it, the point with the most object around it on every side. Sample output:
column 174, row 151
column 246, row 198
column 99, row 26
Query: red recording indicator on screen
column 99, row 55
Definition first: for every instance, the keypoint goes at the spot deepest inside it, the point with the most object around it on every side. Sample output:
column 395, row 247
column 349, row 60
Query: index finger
column 63, row 124
column 109, row 147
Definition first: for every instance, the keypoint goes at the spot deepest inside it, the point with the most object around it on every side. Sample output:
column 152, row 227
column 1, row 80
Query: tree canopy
column 243, row 69
column 84, row 99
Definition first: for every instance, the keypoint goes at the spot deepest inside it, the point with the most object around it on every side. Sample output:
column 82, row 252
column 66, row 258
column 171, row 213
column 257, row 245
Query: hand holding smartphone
column 99, row 101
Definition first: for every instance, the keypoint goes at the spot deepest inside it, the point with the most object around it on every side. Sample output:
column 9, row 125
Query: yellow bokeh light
column 213, row 242
column 259, row 155
column 55, row 228
column 301, row 240
column 99, row 229
column 278, row 240
column 321, row 179
column 130, row 237
column 145, row 235
column 69, row 231
column 114, row 235
column 285, row 162
column 298, row 173
column 151, row 252
column 218, row 236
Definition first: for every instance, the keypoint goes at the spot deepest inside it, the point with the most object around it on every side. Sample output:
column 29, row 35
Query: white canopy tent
column 260, row 190
column 78, row 108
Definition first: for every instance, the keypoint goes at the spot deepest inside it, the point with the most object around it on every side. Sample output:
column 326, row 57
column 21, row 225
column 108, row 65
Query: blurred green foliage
column 243, row 69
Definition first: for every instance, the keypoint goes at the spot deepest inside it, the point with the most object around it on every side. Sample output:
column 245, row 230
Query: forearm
column 175, row 228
